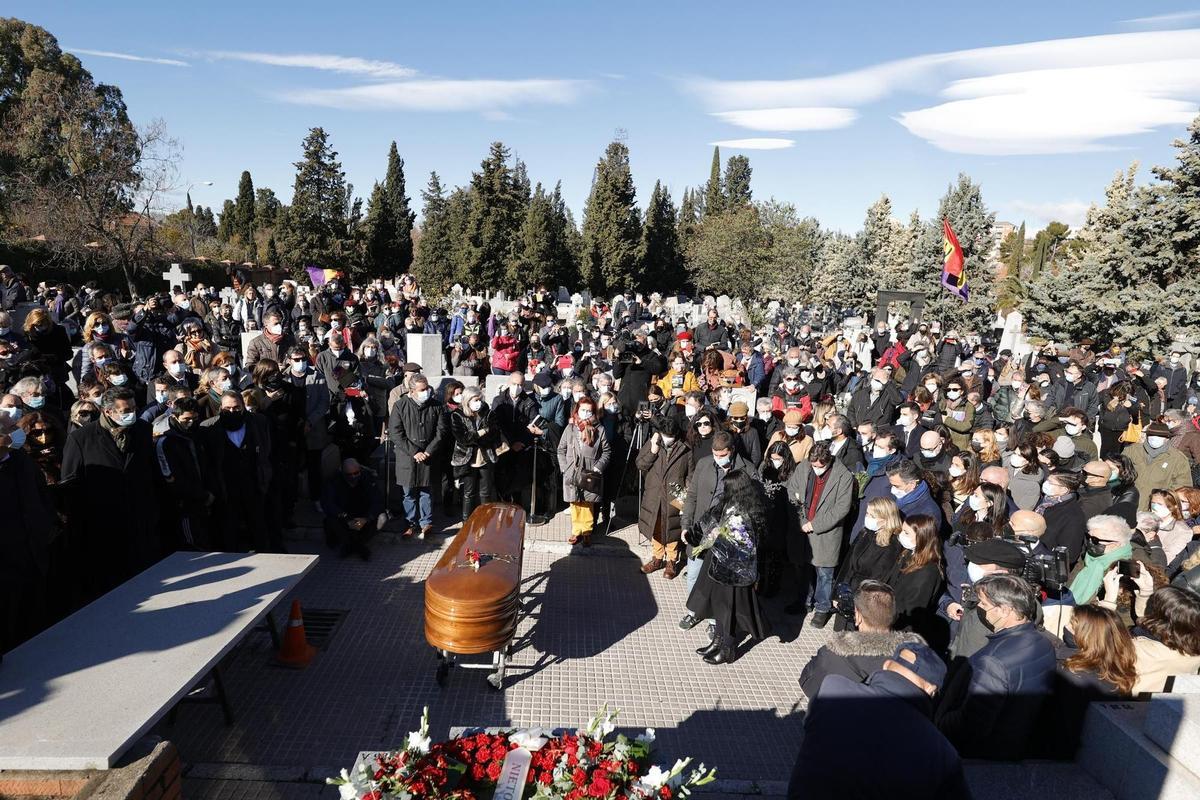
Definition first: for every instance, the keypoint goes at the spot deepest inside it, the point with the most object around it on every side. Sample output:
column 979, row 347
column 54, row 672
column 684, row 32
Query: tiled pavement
column 594, row 631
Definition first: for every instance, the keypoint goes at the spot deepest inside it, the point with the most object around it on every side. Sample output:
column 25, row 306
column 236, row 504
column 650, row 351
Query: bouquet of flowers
column 476, row 559
column 732, row 527
column 678, row 495
column 570, row 766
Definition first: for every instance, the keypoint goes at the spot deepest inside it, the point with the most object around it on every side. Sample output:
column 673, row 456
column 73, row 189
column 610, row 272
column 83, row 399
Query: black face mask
column 979, row 612
column 232, row 420
column 1095, row 548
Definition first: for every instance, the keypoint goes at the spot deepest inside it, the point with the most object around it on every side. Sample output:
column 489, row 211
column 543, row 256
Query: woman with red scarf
column 583, row 454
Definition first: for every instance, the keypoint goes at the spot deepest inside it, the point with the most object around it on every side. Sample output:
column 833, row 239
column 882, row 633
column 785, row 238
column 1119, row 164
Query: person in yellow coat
column 679, row 380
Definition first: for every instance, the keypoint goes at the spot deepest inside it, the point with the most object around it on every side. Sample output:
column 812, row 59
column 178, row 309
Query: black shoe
column 688, row 622
column 724, row 655
column 798, row 607
column 820, row 619
column 709, row 649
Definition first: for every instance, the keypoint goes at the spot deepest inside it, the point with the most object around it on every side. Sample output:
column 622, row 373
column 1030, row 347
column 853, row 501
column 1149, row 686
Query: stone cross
column 175, row 276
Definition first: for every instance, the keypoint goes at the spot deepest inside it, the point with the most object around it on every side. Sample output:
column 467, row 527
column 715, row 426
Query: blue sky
column 1039, row 102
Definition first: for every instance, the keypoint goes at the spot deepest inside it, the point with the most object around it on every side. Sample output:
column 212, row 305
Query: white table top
column 79, row 694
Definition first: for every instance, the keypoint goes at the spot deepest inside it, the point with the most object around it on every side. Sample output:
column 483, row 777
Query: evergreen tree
column 540, row 245
column 206, row 223
column 317, row 227
column 972, row 223
column 459, row 212
column 794, row 252
column 881, row 250
column 842, row 279
column 571, row 253
column 496, row 214
column 272, row 256
column 433, row 264
column 731, row 254
column 714, row 193
column 612, row 225
column 266, row 208
column 243, row 221
column 227, row 226
column 1045, row 246
column 662, row 261
column 689, row 220
column 737, row 182
column 398, row 255
column 380, row 233
column 1012, row 251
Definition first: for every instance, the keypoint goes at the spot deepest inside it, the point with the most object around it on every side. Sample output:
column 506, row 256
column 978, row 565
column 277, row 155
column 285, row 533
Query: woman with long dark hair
column 777, row 466
column 724, row 591
column 918, row 578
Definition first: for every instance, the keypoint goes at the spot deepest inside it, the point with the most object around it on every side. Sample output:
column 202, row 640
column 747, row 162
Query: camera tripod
column 635, row 446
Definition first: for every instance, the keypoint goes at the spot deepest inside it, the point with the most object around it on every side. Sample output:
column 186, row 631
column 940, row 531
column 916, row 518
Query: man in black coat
column 186, row 498
column 352, row 503
column 238, row 446
column 909, row 429
column 876, row 401
column 710, row 332
column 635, row 375
column 108, row 473
column 885, row 721
column 24, row 546
column 417, row 429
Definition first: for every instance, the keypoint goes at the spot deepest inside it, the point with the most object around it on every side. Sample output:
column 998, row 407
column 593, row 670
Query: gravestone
column 493, row 386
column 724, row 306
column 456, row 290
column 566, row 311
column 426, row 350
column 577, row 299
column 564, row 296
column 175, row 276
column 247, row 338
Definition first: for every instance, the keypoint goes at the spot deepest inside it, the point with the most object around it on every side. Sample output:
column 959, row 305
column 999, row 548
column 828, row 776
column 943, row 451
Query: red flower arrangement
column 570, row 766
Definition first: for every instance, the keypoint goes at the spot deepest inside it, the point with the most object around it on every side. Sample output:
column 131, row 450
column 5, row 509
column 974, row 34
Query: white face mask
column 906, row 541
column 819, row 470
column 870, row 523
column 475, row 404
column 908, row 421
column 275, row 330
column 956, row 472
column 777, row 463
column 667, row 440
column 878, row 452
column 1073, row 430
column 690, row 411
column 764, row 415
column 1017, row 460
column 515, row 389
column 118, row 380
column 577, row 396
column 457, row 398
column 953, row 394
column 898, row 493
column 1160, row 510
column 1050, row 489
column 368, row 352
column 13, row 413
column 930, row 453
column 585, row 413
column 299, row 367
column 791, row 430
column 721, row 461
column 421, row 396
column 1156, row 441
column 974, row 572
column 976, row 502
column 876, row 384
column 931, row 387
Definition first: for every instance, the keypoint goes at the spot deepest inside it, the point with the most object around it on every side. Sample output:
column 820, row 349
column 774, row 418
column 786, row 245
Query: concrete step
column 1116, row 750
column 1048, row 779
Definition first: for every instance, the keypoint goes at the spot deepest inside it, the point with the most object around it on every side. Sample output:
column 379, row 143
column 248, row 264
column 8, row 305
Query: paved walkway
column 595, row 630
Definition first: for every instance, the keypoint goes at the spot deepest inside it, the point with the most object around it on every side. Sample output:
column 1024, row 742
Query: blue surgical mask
column 721, row 461
column 37, row 401
column 160, row 397
column 126, row 419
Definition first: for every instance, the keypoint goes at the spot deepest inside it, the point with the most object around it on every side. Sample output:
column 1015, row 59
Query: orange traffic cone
column 296, row 651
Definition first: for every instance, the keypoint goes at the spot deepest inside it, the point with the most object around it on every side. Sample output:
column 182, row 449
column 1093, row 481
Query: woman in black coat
column 473, row 456
column 918, row 578
column 724, row 590
column 777, row 466
column 876, row 551
column 49, row 343
column 1066, row 525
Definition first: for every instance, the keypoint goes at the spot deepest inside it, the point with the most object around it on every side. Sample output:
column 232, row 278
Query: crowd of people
column 1005, row 537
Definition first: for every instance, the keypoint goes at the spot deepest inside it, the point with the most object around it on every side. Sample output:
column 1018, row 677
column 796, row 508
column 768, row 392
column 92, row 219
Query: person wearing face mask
column 665, row 463
column 335, row 362
column 272, row 343
column 1173, row 533
column 377, row 382
column 992, row 709
column 679, row 379
column 1008, row 402
column 934, row 456
column 515, row 410
column 237, row 445
column 958, row 415
column 1095, row 495
column 982, row 558
column 909, row 429
column 25, row 541
column 918, row 577
column 352, row 503
column 1075, row 423
column 417, row 429
column 793, row 434
column 1176, row 373
column 31, row 392
column 1158, row 463
column 791, row 396
column 49, row 343
column 912, row 494
column 1065, row 522
column 876, row 401
column 583, row 454
column 1074, row 391
column 110, row 464
column 186, row 499
column 822, row 491
column 473, row 455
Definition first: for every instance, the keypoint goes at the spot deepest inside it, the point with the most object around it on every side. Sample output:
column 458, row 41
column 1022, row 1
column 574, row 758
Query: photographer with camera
column 637, row 365
column 983, row 558
column 858, row 652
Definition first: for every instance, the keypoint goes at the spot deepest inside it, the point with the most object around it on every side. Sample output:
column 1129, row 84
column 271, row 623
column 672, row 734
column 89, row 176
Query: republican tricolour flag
column 320, row 277
column 954, row 275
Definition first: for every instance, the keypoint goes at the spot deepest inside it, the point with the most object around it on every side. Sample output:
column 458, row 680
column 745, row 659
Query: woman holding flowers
column 724, row 591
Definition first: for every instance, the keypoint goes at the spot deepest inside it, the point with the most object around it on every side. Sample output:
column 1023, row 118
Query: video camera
column 627, row 347
column 1048, row 571
column 843, row 604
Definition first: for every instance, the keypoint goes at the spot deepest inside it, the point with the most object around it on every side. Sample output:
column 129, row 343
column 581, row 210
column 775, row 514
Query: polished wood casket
column 471, row 611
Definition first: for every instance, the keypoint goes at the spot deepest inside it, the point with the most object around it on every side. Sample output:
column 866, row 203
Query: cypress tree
column 662, row 262
column 227, row 226
column 571, row 240
column 380, row 233
column 496, row 214
column 398, row 256
column 737, row 182
column 272, row 256
column 689, row 220
column 539, row 245
column 714, row 194
column 243, row 224
column 612, row 225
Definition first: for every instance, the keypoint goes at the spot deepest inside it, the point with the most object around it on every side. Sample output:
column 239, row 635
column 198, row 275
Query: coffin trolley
column 469, row 610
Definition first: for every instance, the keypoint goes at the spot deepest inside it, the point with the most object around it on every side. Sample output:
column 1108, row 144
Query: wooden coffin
column 471, row 611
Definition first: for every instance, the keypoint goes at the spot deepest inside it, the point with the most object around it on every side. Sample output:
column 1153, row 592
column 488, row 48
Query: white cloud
column 351, row 65
column 170, row 62
column 1040, row 214
column 755, row 144
column 790, row 119
column 1053, row 96
column 1177, row 19
column 443, row 95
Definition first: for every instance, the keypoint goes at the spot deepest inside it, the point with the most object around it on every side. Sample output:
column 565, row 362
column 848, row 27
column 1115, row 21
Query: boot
column 726, row 652
column 714, row 643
